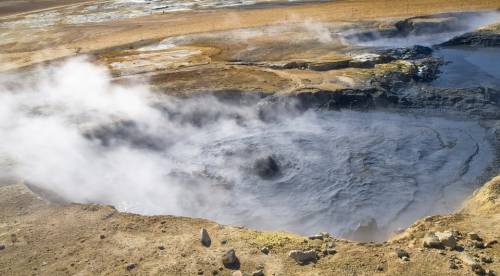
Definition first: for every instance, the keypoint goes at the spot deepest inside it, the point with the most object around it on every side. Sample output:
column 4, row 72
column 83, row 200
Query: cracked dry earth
column 265, row 49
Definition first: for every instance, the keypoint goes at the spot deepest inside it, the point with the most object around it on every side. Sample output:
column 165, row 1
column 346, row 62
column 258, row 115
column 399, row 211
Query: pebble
column 2, row 247
column 478, row 244
column 303, row 257
column 258, row 273
column 265, row 250
column 470, row 261
column 490, row 272
column 316, row 237
column 229, row 259
column 490, row 243
column 474, row 236
column 453, row 265
column 102, row 237
column 205, row 238
column 130, row 266
column 486, row 259
column 402, row 253
column 161, row 247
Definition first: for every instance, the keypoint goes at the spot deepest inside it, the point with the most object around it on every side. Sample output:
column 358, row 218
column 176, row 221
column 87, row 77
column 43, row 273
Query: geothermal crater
column 318, row 171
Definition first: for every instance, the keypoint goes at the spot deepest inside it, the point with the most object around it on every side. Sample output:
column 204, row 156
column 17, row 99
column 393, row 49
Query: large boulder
column 303, row 257
column 229, row 259
column 430, row 240
column 447, row 238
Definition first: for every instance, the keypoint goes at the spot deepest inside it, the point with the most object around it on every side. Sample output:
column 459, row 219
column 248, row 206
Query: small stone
column 467, row 259
column 490, row 272
column 161, row 247
column 331, row 251
column 2, row 247
column 474, row 236
column 102, row 237
column 223, row 242
column 430, row 240
column 303, row 257
column 401, row 253
column 490, row 243
column 200, row 271
column 215, row 272
column 486, row 259
column 229, row 259
column 478, row 270
column 406, row 259
column 447, row 239
column 130, row 266
column 265, row 250
column 470, row 261
column 478, row 244
column 316, row 237
column 258, row 273
column 205, row 238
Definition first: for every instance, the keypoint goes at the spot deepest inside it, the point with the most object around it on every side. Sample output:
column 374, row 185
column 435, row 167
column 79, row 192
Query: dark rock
column 447, row 238
column 474, row 236
column 328, row 65
column 427, row 25
column 102, row 237
column 487, row 259
column 267, row 167
column 303, row 257
column 412, row 53
column 430, row 240
column 2, row 247
column 205, row 238
column 490, row 272
column 265, row 250
column 161, row 247
column 402, row 253
column 258, row 273
column 477, row 244
column 475, row 39
column 229, row 260
column 131, row 266
column 490, row 243
column 453, row 265
column 316, row 237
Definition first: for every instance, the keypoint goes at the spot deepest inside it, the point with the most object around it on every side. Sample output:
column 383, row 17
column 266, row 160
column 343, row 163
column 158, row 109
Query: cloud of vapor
column 68, row 129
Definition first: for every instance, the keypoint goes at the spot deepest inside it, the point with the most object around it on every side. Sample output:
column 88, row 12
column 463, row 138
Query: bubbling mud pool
column 263, row 163
column 335, row 171
column 338, row 171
